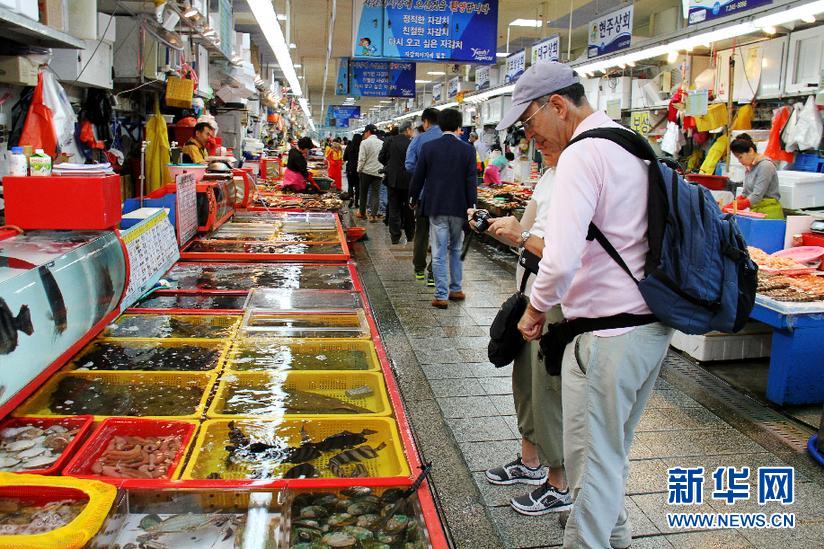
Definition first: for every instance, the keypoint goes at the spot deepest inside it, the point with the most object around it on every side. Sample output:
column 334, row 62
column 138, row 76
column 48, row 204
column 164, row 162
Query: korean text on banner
column 381, row 78
column 342, row 82
column 546, row 50
column 443, row 30
column 515, row 66
column 482, row 78
column 338, row 116
column 610, row 33
column 437, row 93
column 698, row 11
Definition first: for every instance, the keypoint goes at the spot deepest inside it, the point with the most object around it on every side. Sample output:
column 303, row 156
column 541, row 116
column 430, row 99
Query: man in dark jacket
column 393, row 157
column 445, row 181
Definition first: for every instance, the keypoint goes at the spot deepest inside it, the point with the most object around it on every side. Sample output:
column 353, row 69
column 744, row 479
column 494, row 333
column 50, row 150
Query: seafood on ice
column 30, row 447
column 138, row 457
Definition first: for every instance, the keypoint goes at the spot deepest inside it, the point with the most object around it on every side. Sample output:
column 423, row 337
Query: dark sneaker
column 515, row 472
column 420, row 275
column 430, row 280
column 545, row 499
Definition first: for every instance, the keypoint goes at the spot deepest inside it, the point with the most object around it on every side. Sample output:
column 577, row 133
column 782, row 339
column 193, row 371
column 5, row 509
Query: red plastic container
column 63, row 203
column 83, row 423
column 80, row 465
column 712, row 182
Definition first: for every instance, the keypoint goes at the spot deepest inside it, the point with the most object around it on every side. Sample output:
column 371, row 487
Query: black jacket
column 393, row 156
column 350, row 156
column 445, row 177
column 297, row 162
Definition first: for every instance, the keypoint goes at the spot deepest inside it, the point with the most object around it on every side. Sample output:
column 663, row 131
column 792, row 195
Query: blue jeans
column 384, row 199
column 446, row 238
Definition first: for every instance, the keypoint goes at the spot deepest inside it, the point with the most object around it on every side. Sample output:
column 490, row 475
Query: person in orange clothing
column 334, row 162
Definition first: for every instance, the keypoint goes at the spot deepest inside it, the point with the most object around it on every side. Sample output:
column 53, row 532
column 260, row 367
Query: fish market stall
column 503, row 200
column 790, row 298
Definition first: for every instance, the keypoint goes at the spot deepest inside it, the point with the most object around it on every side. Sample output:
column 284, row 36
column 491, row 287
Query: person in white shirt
column 369, row 173
column 607, row 374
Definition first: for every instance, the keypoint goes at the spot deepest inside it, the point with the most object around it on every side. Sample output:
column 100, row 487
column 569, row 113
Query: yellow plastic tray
column 221, row 347
column 209, row 454
column 327, row 384
column 38, row 404
column 73, row 535
column 268, row 354
column 306, row 325
column 151, row 326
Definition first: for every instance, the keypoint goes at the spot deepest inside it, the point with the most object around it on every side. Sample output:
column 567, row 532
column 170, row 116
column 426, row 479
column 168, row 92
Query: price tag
column 640, row 122
column 614, row 108
column 186, row 215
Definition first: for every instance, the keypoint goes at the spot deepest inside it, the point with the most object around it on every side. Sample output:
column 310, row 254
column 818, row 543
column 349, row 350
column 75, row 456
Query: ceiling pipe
column 328, row 55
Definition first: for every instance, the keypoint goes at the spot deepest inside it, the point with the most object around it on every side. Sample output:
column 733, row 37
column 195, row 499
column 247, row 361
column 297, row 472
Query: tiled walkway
column 461, row 410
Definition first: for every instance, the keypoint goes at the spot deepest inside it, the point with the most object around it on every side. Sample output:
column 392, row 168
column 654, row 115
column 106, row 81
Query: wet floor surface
column 461, row 409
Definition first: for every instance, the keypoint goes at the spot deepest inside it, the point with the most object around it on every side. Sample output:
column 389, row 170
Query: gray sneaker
column 515, row 472
column 543, row 500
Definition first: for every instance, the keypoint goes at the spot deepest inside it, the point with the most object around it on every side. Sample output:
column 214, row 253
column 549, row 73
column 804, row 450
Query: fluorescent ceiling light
column 534, row 23
column 501, row 54
column 282, row 17
column 423, row 81
column 436, row 73
column 298, row 66
column 292, row 45
column 191, row 12
column 808, row 18
column 770, row 29
column 807, row 11
column 264, row 14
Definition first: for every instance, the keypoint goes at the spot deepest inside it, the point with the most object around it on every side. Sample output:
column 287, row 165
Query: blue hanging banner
column 338, row 116
column 431, row 30
column 381, row 78
column 699, row 11
column 342, row 82
column 610, row 33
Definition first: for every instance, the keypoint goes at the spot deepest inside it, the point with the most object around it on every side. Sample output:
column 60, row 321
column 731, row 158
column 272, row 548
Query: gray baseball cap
column 540, row 79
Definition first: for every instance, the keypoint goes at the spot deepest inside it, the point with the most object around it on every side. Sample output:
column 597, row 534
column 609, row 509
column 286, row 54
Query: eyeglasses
column 525, row 124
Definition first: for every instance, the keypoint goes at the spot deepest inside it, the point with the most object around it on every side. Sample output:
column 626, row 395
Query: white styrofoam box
column 615, row 88
column 591, row 90
column 804, row 62
column 639, row 100
column 754, row 341
column 28, row 8
column 103, row 22
column 90, row 66
column 801, row 189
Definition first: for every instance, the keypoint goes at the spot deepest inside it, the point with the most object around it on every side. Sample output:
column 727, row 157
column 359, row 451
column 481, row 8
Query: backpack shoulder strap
column 596, row 234
column 626, row 138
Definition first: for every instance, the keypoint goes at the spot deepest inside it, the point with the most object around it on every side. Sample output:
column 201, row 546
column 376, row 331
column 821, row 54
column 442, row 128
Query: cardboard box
column 54, row 14
column 18, row 70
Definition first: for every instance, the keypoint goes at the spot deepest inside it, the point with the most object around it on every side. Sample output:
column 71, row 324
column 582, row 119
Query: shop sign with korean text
column 546, row 50
column 610, row 33
column 338, row 116
column 515, row 66
column 437, row 93
column 453, row 87
column 342, row 81
column 426, row 30
column 381, row 78
column 698, row 11
column 482, row 75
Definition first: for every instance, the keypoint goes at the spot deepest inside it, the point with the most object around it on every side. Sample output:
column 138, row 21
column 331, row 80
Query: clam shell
column 8, row 461
column 32, row 452
column 39, row 461
column 20, row 445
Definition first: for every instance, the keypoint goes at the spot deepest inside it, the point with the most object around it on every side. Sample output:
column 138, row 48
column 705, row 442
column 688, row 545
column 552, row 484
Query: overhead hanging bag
column 808, row 128
column 774, row 149
column 38, row 131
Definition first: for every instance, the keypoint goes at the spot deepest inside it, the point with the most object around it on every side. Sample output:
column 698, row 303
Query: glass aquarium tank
column 245, row 276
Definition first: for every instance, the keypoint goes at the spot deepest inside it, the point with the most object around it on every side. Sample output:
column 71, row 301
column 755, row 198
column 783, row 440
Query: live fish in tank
column 10, row 324
column 59, row 313
column 107, row 293
column 355, row 455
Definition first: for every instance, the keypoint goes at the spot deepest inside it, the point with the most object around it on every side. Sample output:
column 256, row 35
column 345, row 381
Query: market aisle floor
column 461, row 410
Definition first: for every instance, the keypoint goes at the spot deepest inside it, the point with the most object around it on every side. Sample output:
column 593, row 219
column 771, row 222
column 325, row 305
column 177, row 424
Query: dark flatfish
column 10, row 325
column 54, row 296
column 106, row 288
column 355, row 455
column 304, row 470
column 344, row 440
column 304, row 452
column 307, row 402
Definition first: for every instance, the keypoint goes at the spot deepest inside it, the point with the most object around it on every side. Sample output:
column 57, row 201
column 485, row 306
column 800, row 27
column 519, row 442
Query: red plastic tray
column 712, row 182
column 80, row 465
column 84, row 423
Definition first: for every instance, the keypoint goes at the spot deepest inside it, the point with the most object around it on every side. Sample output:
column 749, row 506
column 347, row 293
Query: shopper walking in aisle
column 607, row 374
column 537, row 395
column 445, row 185
column 350, row 156
column 369, row 173
column 761, row 193
column 393, row 157
column 431, row 132
column 334, row 162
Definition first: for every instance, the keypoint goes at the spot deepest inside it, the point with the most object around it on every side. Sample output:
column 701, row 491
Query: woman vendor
column 297, row 174
column 760, row 192
column 493, row 172
column 334, row 162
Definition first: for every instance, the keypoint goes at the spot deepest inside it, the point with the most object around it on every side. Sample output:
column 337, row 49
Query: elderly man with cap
column 608, row 372
column 393, row 157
